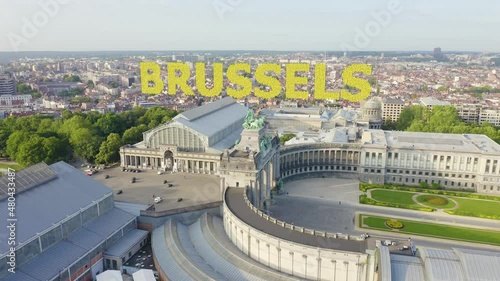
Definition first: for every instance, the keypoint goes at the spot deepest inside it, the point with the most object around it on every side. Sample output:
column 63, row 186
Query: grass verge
column 390, row 196
column 12, row 166
column 433, row 230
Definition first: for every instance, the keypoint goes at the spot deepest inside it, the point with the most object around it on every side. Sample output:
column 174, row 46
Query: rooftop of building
column 392, row 101
column 240, row 153
column 439, row 264
column 66, row 252
column 432, row 141
column 47, row 195
column 121, row 247
column 194, row 189
column 472, row 143
column 430, row 101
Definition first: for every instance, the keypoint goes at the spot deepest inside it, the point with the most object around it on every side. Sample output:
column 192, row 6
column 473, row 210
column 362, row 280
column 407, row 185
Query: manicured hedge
column 366, row 186
column 363, row 199
column 471, row 214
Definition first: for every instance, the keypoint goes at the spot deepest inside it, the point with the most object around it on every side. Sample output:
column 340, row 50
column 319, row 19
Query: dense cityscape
column 48, row 85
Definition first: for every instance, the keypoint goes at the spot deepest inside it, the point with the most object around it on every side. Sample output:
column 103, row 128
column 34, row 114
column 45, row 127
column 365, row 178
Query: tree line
column 92, row 136
column 441, row 119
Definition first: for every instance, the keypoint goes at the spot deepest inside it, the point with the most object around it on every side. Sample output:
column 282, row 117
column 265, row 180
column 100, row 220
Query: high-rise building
column 391, row 108
column 437, row 53
column 7, row 85
column 469, row 112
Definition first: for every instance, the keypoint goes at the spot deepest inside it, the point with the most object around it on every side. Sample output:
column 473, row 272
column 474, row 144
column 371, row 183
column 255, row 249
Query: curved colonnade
column 291, row 251
column 313, row 158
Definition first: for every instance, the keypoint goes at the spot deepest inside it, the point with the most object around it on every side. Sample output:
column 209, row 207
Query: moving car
column 157, row 199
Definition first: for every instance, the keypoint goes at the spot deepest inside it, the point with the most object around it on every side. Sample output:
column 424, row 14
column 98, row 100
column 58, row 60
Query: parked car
column 157, row 200
column 106, row 177
column 170, row 185
column 179, row 199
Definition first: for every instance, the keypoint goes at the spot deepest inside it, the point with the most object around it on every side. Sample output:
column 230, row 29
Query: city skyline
column 168, row 25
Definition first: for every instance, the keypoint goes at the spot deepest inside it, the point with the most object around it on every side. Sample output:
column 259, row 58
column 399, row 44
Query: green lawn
column 485, row 207
column 391, row 196
column 448, row 205
column 14, row 166
column 433, row 230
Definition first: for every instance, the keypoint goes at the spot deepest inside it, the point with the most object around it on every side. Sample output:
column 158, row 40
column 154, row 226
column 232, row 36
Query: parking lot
column 193, row 189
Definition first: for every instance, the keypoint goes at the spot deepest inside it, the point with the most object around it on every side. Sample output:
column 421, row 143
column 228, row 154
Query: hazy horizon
column 244, row 25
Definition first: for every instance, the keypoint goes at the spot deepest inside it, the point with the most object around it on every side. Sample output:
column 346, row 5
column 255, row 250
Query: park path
column 417, row 194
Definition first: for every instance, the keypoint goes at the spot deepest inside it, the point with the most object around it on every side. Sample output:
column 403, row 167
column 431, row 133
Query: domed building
column 371, row 115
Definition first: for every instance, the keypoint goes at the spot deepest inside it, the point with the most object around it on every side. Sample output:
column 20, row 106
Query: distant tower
column 437, row 53
column 382, row 55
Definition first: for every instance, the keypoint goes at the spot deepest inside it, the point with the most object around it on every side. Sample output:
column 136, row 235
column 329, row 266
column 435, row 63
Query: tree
column 442, row 89
column 55, row 149
column 409, row 114
column 66, row 114
column 23, row 88
column 389, row 124
column 30, row 151
column 109, row 152
column 286, row 137
column 85, row 143
column 156, row 115
column 92, row 116
column 90, row 84
column 4, row 136
column 130, row 117
column 46, row 126
column 15, row 140
column 443, row 116
column 134, row 134
column 72, row 78
column 74, row 123
column 110, row 123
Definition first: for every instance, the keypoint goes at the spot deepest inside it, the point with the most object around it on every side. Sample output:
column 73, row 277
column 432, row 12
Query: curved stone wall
column 309, row 231
column 301, row 260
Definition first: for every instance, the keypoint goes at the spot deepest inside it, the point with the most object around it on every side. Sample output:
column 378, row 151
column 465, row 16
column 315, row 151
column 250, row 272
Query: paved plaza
column 336, row 189
column 314, row 203
column 193, row 189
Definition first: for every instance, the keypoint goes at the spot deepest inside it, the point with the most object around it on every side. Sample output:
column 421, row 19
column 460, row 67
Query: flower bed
column 394, row 224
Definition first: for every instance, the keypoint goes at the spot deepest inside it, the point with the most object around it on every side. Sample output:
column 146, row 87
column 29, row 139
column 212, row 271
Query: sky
column 281, row 25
